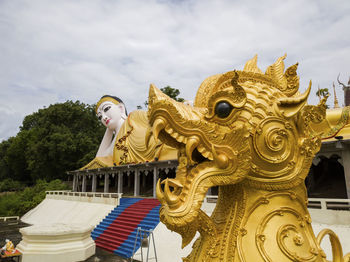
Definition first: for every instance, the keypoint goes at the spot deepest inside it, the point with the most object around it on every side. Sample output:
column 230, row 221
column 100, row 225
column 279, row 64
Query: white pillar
column 155, row 180
column 120, row 182
column 346, row 164
column 94, row 182
column 75, row 182
column 83, row 186
column 137, row 183
column 106, row 187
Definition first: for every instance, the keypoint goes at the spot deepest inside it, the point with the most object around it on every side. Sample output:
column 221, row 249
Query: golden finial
column 276, row 71
column 251, row 66
column 336, row 105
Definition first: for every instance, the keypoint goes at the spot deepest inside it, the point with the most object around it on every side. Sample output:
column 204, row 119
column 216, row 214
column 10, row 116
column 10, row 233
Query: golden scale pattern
column 258, row 155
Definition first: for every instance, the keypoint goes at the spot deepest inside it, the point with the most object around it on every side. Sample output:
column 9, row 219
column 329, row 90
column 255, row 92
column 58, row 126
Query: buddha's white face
column 110, row 115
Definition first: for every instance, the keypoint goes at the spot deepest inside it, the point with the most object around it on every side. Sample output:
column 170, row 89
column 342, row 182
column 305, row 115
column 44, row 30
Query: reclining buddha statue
column 253, row 135
column 124, row 139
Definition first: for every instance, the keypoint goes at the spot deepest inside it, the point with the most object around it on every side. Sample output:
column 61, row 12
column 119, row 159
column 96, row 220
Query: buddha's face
column 110, row 114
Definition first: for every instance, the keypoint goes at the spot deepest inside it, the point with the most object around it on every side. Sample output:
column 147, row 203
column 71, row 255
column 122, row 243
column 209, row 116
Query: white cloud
column 53, row 51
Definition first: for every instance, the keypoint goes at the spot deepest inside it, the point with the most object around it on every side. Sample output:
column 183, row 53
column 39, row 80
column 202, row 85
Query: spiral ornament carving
column 292, row 238
column 291, row 241
column 274, row 143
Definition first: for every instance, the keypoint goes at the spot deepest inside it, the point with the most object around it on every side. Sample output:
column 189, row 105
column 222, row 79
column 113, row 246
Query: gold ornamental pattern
column 253, row 136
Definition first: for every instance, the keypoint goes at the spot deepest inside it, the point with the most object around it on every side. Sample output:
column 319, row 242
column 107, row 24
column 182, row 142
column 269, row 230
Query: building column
column 106, row 187
column 75, row 182
column 83, row 186
column 346, row 165
column 209, row 192
column 155, row 180
column 120, row 182
column 144, row 179
column 94, row 183
column 137, row 183
column 129, row 180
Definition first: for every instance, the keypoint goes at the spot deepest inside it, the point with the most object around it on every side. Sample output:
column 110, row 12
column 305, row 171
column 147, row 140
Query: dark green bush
column 8, row 185
column 19, row 203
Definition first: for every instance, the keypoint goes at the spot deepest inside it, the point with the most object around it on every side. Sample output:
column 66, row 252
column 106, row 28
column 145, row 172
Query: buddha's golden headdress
column 115, row 100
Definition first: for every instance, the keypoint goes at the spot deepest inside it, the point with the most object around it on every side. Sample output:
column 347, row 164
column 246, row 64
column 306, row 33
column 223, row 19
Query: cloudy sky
column 53, row 51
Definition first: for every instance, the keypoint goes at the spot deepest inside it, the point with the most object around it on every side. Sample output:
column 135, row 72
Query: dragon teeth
column 201, row 148
column 169, row 130
column 191, row 144
column 181, row 139
column 177, row 136
column 169, row 196
column 206, row 154
column 158, row 125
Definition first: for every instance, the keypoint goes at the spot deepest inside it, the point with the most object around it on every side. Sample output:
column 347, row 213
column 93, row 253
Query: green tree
column 17, row 204
column 322, row 92
column 16, row 157
column 51, row 141
column 173, row 93
column 5, row 170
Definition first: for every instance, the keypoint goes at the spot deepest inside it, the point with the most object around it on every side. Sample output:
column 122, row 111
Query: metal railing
column 141, row 235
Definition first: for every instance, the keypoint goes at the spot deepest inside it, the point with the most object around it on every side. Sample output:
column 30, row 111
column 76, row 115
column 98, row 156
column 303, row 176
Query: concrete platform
column 56, row 243
column 51, row 211
column 60, row 229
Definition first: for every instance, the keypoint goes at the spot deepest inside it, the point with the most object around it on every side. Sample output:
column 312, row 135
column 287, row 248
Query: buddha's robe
column 130, row 145
column 336, row 124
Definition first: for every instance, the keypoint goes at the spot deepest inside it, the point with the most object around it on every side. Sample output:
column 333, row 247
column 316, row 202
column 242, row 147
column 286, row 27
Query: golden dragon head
column 245, row 127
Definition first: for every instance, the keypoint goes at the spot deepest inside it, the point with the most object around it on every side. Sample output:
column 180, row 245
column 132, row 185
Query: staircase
column 117, row 232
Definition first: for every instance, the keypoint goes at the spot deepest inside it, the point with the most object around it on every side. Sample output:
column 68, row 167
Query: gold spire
column 336, row 105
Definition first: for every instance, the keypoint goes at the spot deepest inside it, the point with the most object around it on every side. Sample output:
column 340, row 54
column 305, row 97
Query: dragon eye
column 223, row 109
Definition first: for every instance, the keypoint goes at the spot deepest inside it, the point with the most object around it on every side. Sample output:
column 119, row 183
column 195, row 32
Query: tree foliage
column 173, row 93
column 19, row 203
column 51, row 141
column 321, row 93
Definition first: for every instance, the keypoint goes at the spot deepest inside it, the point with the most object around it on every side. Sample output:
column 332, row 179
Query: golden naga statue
column 249, row 133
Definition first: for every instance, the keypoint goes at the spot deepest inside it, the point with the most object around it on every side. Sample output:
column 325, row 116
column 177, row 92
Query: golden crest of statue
column 250, row 133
